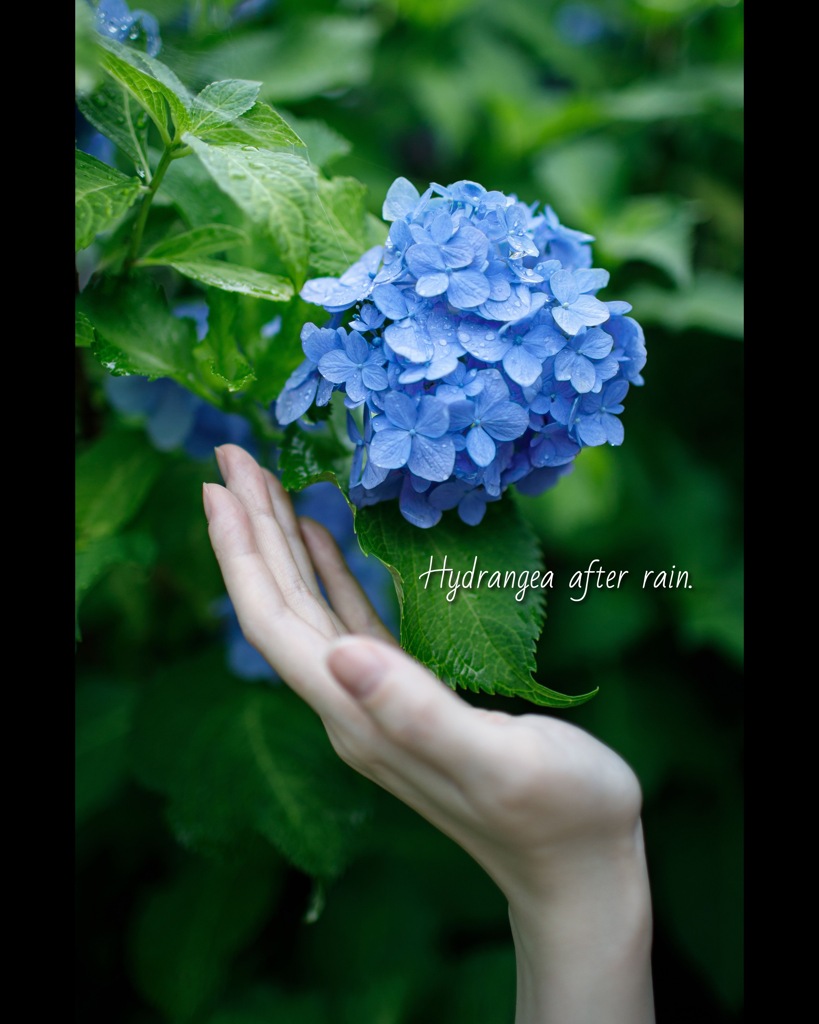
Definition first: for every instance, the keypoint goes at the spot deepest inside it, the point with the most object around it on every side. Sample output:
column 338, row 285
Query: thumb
column 406, row 701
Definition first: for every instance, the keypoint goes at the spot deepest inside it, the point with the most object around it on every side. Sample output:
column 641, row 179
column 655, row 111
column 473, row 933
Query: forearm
column 583, row 942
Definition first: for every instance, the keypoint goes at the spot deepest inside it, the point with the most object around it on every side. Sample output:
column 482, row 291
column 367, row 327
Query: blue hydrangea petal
column 406, row 340
column 391, row 448
column 522, row 365
column 390, row 300
column 431, row 285
column 400, row 410
column 432, row 457
column 591, row 280
column 336, row 366
column 570, row 365
column 564, row 287
column 482, row 341
column 416, row 509
column 505, row 421
column 595, row 344
column 425, row 258
column 480, row 446
column 433, row 417
column 294, row 402
column 400, row 201
column 467, row 289
column 374, row 377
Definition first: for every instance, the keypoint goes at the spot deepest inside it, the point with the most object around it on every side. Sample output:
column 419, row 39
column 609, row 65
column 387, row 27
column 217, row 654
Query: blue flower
column 480, row 352
column 115, row 20
column 414, row 436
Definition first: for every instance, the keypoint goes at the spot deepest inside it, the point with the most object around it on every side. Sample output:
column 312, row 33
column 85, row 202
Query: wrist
column 582, row 932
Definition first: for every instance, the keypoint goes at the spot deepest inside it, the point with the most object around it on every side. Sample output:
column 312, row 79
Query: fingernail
column 221, row 461
column 358, row 665
column 206, row 501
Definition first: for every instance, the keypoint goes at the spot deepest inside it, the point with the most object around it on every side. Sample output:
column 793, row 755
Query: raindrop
column 489, row 336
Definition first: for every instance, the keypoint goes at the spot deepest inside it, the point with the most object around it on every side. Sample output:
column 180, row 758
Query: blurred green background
column 626, row 117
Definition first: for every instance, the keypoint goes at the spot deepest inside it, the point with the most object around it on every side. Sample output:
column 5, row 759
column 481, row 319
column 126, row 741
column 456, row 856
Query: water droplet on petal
column 489, row 336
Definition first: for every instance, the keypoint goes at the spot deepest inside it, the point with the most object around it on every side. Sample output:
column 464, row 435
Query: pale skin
column 549, row 812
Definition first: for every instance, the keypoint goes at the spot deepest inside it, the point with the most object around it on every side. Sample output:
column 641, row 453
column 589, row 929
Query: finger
column 244, row 478
column 413, row 708
column 294, row 648
column 346, row 596
column 286, row 518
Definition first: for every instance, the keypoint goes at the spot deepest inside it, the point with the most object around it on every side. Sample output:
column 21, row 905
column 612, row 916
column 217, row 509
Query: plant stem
column 142, row 217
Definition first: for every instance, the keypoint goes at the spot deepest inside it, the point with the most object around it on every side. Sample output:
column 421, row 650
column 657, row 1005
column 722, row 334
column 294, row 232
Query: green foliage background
column 230, row 869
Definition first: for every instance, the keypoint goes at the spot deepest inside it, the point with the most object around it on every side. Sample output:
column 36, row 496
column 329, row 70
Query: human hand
column 551, row 814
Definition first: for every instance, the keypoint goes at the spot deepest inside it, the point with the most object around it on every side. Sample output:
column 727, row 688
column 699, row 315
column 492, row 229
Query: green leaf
column 323, row 143
column 227, row 362
column 657, row 229
column 338, row 227
column 152, row 84
column 484, row 639
column 261, row 126
column 233, row 278
column 238, row 761
column 112, row 111
column 83, row 331
column 103, row 716
column 202, row 241
column 307, row 56
column 714, row 302
column 197, row 198
column 275, row 189
column 102, row 195
column 191, row 929
column 221, row 102
column 306, row 458
column 96, row 557
column 264, row 1005
column 137, row 332
column 113, row 478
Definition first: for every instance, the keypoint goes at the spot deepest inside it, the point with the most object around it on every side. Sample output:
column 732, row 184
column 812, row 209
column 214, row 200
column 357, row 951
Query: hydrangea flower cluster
column 477, row 354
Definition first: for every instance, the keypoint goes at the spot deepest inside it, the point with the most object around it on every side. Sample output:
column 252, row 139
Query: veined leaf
column 202, row 241
column 306, row 458
column 137, row 332
column 233, row 278
column 260, row 126
column 189, row 931
column 222, row 102
column 112, row 111
column 152, row 84
column 338, row 227
column 237, row 761
column 102, row 195
column 83, row 331
column 483, row 639
column 275, row 189
column 228, row 362
column 113, row 478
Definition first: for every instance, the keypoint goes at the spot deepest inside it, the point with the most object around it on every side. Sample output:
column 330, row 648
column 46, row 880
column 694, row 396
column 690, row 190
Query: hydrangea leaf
column 97, row 556
column 484, row 639
column 656, row 229
column 83, row 331
column 275, row 189
column 323, row 143
column 113, row 478
column 152, row 84
column 234, row 278
column 714, row 302
column 275, row 357
column 306, row 56
column 228, row 362
column 137, row 332
column 112, row 111
column 338, row 230
column 238, row 762
column 191, row 927
column 222, row 102
column 259, row 126
column 306, row 458
column 197, row 197
column 201, row 241
column 102, row 195
column 103, row 715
